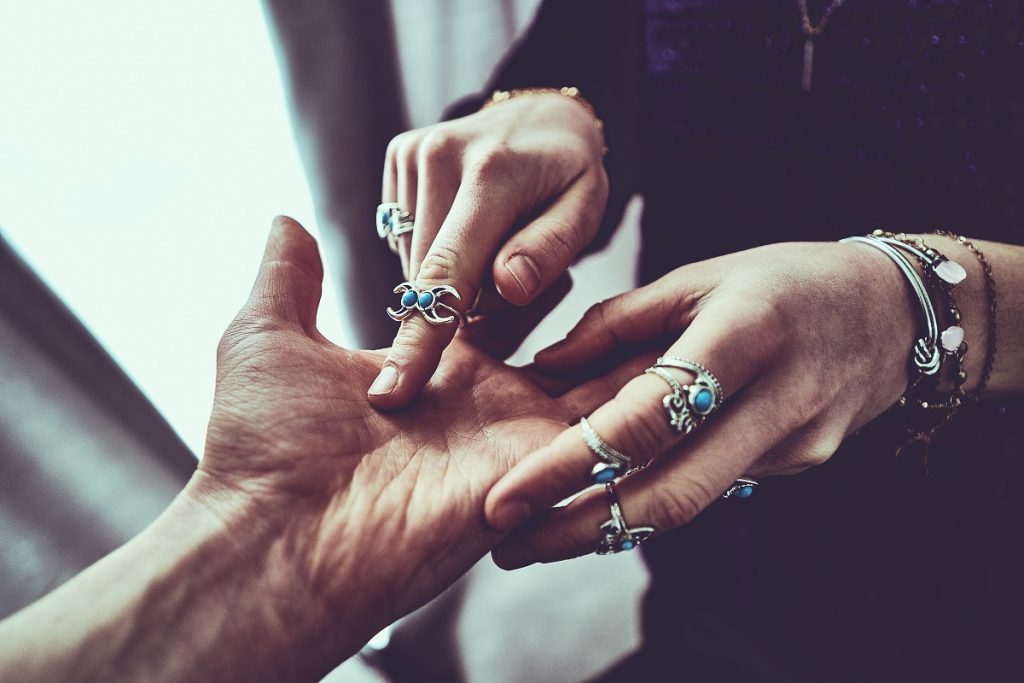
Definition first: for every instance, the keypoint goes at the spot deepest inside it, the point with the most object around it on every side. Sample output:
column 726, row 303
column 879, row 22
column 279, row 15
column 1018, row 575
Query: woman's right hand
column 516, row 190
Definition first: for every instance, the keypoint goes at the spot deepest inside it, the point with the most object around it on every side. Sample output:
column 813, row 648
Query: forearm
column 194, row 597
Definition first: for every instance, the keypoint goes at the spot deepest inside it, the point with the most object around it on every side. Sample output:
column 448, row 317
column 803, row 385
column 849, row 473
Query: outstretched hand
column 312, row 522
column 379, row 512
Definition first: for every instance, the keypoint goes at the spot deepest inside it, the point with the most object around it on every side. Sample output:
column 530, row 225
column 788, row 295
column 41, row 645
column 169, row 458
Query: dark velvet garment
column 865, row 568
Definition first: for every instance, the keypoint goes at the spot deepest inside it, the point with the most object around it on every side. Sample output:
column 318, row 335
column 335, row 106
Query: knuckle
column 805, row 409
column 411, row 334
column 597, row 315
column 821, row 449
column 803, row 451
column 492, row 163
column 437, row 145
column 677, row 505
column 761, row 326
column 407, row 157
column 643, row 432
column 396, row 143
column 560, row 239
column 439, row 266
column 418, row 344
column 406, row 150
column 250, row 330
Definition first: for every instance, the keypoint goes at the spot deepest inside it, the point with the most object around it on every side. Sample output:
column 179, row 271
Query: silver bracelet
column 945, row 269
column 927, row 358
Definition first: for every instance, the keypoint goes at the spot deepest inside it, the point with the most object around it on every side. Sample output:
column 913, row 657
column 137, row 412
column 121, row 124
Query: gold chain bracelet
column 990, row 293
column 572, row 92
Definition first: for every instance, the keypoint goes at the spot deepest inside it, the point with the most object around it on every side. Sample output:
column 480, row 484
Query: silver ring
column 613, row 463
column 742, row 488
column 687, row 406
column 392, row 220
column 426, row 301
column 617, row 536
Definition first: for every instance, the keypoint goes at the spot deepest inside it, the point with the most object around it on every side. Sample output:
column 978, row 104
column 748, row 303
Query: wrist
column 210, row 591
column 240, row 572
column 891, row 302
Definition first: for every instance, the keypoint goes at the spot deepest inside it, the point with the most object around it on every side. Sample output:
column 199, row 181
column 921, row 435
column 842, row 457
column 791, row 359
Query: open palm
column 395, row 500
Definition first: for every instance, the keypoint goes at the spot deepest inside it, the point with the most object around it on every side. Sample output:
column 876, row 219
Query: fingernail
column 510, row 515
column 386, row 381
column 525, row 271
column 512, row 556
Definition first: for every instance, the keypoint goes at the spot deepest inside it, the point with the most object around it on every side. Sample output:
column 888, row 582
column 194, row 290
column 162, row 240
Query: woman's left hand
column 810, row 341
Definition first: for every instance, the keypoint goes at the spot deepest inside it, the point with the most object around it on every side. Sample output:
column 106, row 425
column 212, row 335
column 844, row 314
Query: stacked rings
column 687, row 406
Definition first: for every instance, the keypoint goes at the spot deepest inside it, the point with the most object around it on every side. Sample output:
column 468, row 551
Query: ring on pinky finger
column 742, row 488
column 616, row 535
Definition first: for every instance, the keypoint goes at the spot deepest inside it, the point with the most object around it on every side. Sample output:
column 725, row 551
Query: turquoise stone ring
column 427, row 302
column 392, row 220
column 687, row 406
column 743, row 488
column 616, row 535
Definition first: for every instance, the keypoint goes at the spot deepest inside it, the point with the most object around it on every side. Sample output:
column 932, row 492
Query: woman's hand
column 513, row 192
column 810, row 341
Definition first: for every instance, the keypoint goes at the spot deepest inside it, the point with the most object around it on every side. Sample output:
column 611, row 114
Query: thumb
column 541, row 253
column 288, row 286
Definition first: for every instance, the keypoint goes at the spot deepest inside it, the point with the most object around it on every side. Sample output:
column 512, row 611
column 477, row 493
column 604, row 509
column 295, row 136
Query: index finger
column 432, row 307
column 486, row 207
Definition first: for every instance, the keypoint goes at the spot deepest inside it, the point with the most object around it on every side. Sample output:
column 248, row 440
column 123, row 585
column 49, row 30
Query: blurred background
column 144, row 148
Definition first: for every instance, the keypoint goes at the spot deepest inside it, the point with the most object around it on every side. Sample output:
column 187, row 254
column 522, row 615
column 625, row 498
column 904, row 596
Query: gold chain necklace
column 812, row 31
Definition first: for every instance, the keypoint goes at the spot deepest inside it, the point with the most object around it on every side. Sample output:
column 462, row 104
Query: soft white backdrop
column 144, row 149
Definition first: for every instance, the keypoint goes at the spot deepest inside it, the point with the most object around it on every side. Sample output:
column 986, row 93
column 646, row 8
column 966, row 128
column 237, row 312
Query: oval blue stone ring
column 743, row 488
column 427, row 302
column 687, row 406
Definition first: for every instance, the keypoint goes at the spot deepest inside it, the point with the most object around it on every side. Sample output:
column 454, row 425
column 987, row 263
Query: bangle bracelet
column 926, row 356
column 572, row 92
column 943, row 276
column 990, row 293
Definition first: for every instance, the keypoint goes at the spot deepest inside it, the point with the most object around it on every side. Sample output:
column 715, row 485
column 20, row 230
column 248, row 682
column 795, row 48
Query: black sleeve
column 597, row 46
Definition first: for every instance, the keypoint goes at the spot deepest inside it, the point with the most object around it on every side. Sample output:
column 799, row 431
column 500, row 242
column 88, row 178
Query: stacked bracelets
column 940, row 342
